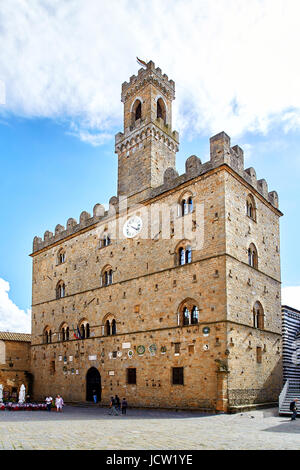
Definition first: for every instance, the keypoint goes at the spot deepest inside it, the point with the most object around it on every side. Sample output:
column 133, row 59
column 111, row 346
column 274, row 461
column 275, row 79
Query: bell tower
column 148, row 146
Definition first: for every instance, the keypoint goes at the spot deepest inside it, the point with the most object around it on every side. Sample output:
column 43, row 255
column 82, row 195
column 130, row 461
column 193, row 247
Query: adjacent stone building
column 15, row 363
column 171, row 297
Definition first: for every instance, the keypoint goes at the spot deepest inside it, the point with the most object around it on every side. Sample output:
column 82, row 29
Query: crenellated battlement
column 149, row 75
column 221, row 153
column 72, row 226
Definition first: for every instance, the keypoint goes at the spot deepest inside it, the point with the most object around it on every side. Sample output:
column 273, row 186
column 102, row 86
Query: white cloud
column 11, row 317
column 291, row 296
column 234, row 61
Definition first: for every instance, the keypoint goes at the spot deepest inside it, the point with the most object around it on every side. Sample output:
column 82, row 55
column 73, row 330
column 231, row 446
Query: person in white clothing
column 59, row 403
column 48, row 401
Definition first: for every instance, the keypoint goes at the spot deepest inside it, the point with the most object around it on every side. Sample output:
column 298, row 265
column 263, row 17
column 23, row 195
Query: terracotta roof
column 6, row 335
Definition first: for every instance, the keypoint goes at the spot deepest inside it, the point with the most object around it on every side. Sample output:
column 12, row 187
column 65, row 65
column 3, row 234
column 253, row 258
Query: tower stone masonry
column 187, row 320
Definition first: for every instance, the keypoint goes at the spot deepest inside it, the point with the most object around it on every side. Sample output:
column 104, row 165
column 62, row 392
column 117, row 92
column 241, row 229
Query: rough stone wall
column 250, row 381
column 14, row 371
column 144, row 299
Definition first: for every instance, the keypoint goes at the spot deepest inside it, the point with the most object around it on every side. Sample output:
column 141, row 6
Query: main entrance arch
column 93, row 383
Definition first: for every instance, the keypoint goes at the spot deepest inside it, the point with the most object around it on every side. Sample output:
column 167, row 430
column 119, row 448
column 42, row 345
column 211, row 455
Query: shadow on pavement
column 96, row 413
column 286, row 426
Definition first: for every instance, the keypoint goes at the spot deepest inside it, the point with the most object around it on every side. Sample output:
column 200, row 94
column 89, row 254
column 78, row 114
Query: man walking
column 49, row 403
column 293, row 408
column 124, row 406
column 117, row 401
column 113, row 410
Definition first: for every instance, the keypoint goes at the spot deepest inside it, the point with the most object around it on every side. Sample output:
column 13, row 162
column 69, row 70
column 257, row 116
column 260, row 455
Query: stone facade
column 15, row 363
column 90, row 276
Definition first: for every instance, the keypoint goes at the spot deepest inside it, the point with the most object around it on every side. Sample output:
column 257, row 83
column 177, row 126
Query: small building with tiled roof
column 15, row 363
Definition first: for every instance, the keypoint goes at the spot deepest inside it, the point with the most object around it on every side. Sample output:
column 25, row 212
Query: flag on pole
column 76, row 335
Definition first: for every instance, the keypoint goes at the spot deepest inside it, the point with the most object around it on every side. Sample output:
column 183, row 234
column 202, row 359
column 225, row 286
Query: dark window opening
column 177, row 376
column 131, row 376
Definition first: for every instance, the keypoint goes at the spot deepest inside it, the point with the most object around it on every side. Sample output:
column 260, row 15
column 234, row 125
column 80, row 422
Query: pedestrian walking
column 117, row 400
column 48, row 401
column 95, row 398
column 293, row 408
column 112, row 405
column 59, row 403
column 124, row 406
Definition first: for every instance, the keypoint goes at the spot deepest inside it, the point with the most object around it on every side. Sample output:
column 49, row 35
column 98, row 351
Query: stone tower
column 148, row 145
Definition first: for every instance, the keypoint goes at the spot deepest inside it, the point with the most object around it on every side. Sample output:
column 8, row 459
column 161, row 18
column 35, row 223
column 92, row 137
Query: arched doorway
column 93, row 382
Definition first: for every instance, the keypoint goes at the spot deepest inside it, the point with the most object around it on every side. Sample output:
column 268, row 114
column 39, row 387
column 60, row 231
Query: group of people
column 116, row 406
column 59, row 403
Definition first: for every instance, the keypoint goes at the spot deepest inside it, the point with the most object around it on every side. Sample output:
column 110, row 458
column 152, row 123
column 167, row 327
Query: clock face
column 132, row 226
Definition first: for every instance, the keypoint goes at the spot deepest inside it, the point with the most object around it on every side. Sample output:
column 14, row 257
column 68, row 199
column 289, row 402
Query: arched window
column 186, row 205
column 64, row 332
column 61, row 256
column 188, row 313
column 250, row 207
column 107, row 328
column 258, row 316
column 186, row 316
column 60, row 290
column 183, row 253
column 105, row 241
column 195, row 315
column 136, row 111
column 252, row 256
column 47, row 335
column 161, row 110
column 107, row 276
column 84, row 329
column 113, row 327
column 109, row 325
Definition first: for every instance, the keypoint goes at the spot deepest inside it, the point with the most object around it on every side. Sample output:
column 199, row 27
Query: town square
column 79, row 428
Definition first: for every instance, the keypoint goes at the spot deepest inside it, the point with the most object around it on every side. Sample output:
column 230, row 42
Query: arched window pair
column 47, row 335
column 184, row 255
column 107, row 276
column 258, row 316
column 84, row 329
column 105, row 241
column 110, row 327
column 188, row 313
column 61, row 256
column 250, row 207
column 64, row 332
column 252, row 256
column 60, row 290
column 186, row 206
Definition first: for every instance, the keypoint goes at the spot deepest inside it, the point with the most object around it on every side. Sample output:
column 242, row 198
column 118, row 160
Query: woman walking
column 59, row 403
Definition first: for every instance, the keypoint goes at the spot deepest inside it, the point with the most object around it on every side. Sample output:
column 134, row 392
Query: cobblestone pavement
column 93, row 428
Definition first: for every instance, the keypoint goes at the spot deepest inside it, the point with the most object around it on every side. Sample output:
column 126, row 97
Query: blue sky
column 235, row 70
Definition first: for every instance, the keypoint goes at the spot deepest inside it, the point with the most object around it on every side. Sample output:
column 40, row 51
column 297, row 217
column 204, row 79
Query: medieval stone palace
column 171, row 297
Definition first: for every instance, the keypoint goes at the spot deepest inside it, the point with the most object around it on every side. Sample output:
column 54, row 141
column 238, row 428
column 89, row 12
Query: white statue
column 1, row 393
column 22, row 394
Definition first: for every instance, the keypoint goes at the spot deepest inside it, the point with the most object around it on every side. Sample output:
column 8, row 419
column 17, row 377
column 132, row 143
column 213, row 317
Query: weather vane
column 141, row 62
